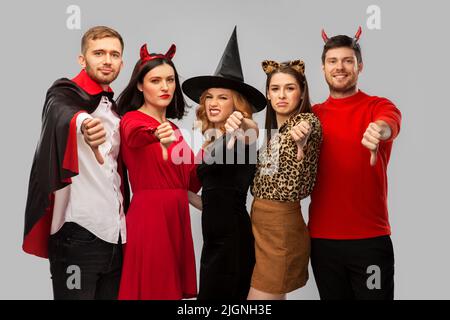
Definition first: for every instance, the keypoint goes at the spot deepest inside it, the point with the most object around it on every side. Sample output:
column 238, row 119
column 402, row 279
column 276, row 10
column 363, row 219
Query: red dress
column 159, row 260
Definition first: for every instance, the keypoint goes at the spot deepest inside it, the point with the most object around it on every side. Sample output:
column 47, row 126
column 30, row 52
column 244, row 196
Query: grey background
column 406, row 61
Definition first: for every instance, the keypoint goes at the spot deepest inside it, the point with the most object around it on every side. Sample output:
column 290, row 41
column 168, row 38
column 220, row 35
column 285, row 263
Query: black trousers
column 84, row 267
column 354, row 269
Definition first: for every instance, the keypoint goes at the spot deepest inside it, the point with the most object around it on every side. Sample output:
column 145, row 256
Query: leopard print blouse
column 279, row 175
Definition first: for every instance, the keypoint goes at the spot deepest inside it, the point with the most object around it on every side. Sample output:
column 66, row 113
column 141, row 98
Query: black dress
column 228, row 254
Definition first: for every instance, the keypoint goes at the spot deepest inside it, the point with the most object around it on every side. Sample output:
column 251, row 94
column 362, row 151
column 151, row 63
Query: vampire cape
column 56, row 160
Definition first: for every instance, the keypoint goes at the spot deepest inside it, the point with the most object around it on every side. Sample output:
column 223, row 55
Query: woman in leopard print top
column 280, row 176
column 286, row 172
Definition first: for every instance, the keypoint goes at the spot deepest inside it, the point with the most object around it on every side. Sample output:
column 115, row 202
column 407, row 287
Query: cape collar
column 87, row 84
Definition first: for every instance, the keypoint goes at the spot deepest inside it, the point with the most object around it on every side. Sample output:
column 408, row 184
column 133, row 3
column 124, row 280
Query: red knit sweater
column 349, row 200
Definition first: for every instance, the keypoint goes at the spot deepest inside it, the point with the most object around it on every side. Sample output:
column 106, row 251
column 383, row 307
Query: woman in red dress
column 159, row 261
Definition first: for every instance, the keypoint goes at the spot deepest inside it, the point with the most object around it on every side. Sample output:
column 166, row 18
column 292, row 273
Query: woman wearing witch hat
column 159, row 261
column 226, row 105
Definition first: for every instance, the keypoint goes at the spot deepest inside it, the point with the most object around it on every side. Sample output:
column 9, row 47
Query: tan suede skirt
column 282, row 246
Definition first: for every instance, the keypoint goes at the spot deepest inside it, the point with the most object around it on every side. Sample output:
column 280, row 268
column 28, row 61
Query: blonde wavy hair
column 240, row 104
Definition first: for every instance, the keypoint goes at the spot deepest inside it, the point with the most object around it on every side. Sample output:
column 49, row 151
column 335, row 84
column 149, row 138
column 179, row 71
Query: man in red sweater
column 351, row 249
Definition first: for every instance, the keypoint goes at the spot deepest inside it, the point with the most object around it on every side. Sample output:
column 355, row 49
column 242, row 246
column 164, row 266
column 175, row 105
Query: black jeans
column 354, row 269
column 84, row 267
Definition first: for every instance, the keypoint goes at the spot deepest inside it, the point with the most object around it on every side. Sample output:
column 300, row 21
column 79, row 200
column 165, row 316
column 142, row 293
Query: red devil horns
column 171, row 52
column 144, row 52
column 145, row 56
column 358, row 33
column 356, row 39
column 324, row 36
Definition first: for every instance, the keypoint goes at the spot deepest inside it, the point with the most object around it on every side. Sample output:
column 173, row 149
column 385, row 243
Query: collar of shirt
column 106, row 103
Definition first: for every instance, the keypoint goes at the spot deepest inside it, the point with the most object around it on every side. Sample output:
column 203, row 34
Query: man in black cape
column 78, row 189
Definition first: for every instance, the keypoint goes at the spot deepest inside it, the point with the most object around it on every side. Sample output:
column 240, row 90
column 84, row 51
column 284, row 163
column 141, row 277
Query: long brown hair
column 132, row 99
column 304, row 105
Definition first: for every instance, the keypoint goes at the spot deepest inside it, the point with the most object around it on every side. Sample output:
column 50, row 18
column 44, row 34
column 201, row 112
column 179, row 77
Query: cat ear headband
column 269, row 66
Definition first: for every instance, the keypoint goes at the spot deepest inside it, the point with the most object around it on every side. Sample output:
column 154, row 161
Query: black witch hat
column 228, row 75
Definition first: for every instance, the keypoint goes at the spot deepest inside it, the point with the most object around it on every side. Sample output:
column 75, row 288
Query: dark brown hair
column 304, row 105
column 342, row 41
column 132, row 99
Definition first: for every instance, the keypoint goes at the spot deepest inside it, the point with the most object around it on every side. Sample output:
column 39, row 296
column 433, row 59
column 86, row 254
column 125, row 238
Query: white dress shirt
column 94, row 200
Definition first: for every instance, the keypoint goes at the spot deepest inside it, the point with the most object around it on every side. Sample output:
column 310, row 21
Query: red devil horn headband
column 356, row 38
column 324, row 36
column 145, row 56
column 358, row 34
